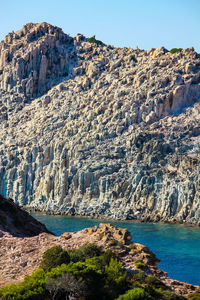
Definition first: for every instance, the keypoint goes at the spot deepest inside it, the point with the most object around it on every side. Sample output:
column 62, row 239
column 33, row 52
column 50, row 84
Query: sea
column 177, row 246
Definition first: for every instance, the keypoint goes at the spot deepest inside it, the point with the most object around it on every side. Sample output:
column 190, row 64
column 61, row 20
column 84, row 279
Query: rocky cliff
column 18, row 222
column 89, row 129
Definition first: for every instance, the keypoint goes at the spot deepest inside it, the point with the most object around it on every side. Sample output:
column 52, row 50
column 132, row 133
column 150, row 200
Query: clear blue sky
column 128, row 23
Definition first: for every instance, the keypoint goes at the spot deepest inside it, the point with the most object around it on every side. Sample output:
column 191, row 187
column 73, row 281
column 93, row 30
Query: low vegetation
column 139, row 265
column 86, row 273
column 53, row 257
column 94, row 41
column 175, row 50
column 194, row 296
column 136, row 293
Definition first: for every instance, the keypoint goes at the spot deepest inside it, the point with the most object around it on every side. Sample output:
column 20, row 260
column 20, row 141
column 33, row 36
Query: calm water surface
column 177, row 247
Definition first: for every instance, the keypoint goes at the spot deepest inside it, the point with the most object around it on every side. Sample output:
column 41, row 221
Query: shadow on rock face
column 17, row 221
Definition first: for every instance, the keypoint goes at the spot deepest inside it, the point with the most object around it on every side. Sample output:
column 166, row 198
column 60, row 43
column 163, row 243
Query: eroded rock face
column 118, row 138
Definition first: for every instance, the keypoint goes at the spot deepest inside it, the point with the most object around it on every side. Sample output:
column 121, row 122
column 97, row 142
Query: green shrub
column 115, row 279
column 175, row 50
column 167, row 295
column 194, row 296
column 135, row 294
column 107, row 256
column 31, row 288
column 99, row 278
column 75, row 255
column 93, row 40
column 138, row 277
column 90, row 250
column 139, row 265
column 87, row 251
column 104, row 260
column 156, row 283
column 113, row 270
column 86, row 272
column 53, row 257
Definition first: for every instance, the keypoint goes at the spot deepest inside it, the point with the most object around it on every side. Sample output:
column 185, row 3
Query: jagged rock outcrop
column 22, row 256
column 117, row 138
column 34, row 58
column 18, row 222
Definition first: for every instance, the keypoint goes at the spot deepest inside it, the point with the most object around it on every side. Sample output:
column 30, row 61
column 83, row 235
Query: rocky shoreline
column 106, row 218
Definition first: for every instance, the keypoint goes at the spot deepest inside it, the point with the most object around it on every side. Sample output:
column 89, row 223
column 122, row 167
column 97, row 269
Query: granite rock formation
column 17, row 222
column 95, row 130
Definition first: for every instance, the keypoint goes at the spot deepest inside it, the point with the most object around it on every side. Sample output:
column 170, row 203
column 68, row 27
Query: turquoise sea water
column 177, row 246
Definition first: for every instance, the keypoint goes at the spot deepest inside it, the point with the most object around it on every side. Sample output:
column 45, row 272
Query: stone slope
column 18, row 222
column 33, row 59
column 118, row 137
column 22, row 256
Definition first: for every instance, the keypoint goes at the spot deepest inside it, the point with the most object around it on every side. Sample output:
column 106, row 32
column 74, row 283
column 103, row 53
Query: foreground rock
column 17, row 222
column 21, row 256
column 118, row 137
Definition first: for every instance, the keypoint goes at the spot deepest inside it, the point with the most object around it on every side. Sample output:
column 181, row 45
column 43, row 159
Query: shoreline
column 105, row 218
column 148, row 232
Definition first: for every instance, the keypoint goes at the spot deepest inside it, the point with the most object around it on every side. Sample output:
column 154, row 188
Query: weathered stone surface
column 118, row 138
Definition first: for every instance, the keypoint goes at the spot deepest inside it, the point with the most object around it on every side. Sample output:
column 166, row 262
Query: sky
column 122, row 23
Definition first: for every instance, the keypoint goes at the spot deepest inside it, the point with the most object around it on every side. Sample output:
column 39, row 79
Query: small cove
column 177, row 246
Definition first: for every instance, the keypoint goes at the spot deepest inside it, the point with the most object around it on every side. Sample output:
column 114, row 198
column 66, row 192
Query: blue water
column 177, row 246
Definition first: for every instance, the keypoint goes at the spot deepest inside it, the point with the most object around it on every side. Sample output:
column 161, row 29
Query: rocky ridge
column 22, row 256
column 33, row 59
column 95, row 130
